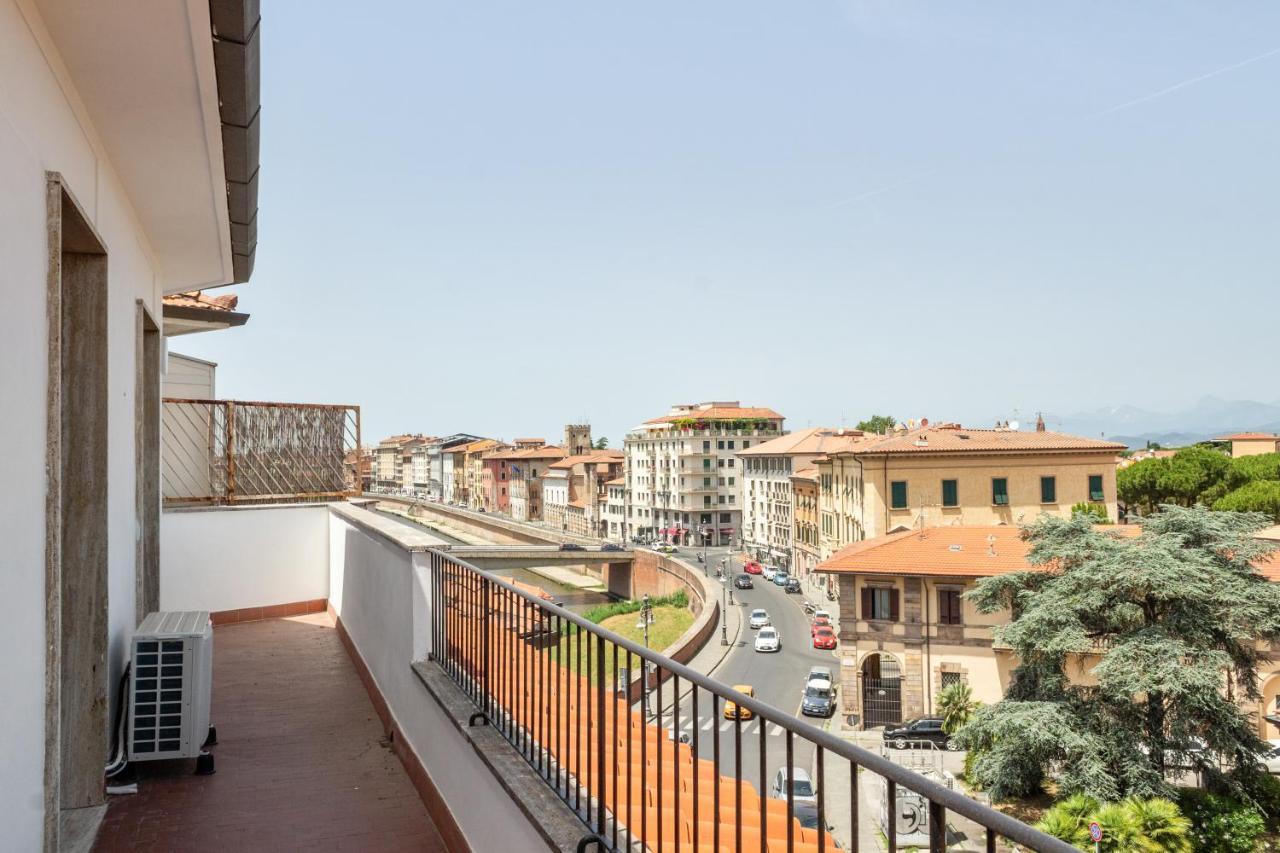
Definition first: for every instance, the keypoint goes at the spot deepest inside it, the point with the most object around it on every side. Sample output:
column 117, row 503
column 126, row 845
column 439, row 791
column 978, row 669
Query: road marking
column 776, row 730
column 707, row 725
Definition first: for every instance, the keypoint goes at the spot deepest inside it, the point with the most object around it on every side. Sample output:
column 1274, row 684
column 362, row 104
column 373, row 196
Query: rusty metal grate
column 231, row 451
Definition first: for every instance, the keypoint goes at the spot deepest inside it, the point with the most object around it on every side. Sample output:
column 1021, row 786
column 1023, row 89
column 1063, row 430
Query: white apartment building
column 768, row 519
column 683, row 480
column 615, row 510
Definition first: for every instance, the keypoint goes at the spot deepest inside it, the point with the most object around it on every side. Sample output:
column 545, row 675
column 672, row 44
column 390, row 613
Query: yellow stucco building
column 948, row 475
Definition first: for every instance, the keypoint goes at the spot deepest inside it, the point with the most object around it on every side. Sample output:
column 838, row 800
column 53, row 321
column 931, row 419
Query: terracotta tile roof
column 620, row 481
column 197, row 299
column 578, row 503
column 1250, row 436
column 718, row 413
column 958, row 551
column 810, row 473
column 597, row 456
column 954, row 439
column 809, row 441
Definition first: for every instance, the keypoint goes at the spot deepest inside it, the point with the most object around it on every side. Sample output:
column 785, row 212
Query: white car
column 803, row 790
column 1271, row 758
column 769, row 572
column 821, row 614
column 768, row 640
column 759, row 618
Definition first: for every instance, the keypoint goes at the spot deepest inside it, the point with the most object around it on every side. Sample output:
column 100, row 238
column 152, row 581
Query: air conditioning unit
column 170, row 688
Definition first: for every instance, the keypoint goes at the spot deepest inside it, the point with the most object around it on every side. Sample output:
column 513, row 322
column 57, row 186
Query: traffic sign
column 1095, row 832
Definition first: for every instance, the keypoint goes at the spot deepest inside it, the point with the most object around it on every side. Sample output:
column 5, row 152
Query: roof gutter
column 237, row 62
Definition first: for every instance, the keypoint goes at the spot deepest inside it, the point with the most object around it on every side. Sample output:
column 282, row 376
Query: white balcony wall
column 376, row 587
column 253, row 556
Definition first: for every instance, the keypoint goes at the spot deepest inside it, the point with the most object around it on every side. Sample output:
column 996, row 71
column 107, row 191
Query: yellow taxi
column 732, row 711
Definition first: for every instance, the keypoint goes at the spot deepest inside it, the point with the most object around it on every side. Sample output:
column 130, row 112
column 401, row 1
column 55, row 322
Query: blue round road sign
column 1095, row 831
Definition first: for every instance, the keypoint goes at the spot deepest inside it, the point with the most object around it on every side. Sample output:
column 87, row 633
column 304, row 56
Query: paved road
column 777, row 677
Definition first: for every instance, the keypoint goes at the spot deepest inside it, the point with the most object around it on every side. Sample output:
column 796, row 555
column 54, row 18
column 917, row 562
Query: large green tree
column 1259, row 496
column 1165, row 623
column 877, row 423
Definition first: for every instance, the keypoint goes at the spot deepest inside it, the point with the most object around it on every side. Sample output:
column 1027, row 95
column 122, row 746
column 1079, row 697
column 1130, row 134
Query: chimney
column 1039, row 422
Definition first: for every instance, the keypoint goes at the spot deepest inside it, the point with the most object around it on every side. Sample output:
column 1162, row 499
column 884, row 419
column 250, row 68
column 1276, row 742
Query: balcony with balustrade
column 374, row 692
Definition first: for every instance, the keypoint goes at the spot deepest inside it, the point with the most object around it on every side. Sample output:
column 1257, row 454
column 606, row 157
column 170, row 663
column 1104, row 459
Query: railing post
column 230, row 444
column 937, row 827
column 485, row 668
column 600, row 735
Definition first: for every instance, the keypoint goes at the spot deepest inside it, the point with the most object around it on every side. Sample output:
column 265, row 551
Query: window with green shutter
column 898, row 494
column 1000, row 491
column 1095, row 488
column 1048, row 490
column 950, row 493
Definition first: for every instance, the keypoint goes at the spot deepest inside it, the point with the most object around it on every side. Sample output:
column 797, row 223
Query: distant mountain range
column 1210, row 417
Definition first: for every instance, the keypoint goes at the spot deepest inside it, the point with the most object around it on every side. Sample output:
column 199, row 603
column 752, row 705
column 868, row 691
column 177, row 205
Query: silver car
column 759, row 618
column 803, row 790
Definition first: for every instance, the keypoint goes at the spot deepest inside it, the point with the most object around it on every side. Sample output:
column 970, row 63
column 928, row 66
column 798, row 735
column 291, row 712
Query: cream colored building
column 575, row 492
column 1252, row 443
column 766, row 469
column 805, row 546
column 682, row 472
column 906, row 631
column 948, row 475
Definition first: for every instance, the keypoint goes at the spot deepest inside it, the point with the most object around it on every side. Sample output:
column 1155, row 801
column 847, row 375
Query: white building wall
column 253, row 556
column 44, row 127
column 188, row 378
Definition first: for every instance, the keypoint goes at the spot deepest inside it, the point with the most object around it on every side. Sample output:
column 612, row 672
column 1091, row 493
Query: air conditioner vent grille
column 169, row 702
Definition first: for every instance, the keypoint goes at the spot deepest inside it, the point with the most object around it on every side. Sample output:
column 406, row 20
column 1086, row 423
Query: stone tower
column 577, row 439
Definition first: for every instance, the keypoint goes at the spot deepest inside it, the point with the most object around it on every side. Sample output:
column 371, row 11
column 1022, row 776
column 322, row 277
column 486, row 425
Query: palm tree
column 1131, row 826
column 956, row 705
column 1161, row 825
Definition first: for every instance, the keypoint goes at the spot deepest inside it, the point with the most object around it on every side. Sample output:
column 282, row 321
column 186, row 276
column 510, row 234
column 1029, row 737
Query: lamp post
column 724, row 617
column 646, row 615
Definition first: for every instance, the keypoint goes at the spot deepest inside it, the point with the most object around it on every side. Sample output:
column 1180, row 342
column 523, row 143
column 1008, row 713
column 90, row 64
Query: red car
column 824, row 638
column 819, row 623
column 751, row 567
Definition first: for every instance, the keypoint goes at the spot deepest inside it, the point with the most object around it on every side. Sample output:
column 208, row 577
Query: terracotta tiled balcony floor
column 301, row 759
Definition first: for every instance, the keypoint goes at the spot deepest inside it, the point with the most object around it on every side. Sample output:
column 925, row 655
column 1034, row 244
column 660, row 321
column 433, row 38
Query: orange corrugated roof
column 808, row 441
column 197, row 299
column 718, row 413
column 959, row 551
column 962, row 440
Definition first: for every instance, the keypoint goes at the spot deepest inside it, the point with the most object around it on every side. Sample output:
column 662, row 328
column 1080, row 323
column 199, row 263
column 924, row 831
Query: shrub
column 956, row 704
column 1262, row 790
column 1098, row 511
column 602, row 612
column 1154, row 825
column 1221, row 824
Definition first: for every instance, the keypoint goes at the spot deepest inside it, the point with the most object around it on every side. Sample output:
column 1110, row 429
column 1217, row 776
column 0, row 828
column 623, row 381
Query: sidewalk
column 963, row 835
column 710, row 656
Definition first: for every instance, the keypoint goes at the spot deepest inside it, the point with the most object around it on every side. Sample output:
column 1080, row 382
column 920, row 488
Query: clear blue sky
column 496, row 217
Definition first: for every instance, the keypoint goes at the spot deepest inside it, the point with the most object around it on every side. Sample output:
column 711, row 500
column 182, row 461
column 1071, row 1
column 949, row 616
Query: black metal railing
column 586, row 707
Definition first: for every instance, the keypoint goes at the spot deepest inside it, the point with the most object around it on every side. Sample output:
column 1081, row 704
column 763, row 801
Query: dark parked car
column 793, row 585
column 917, row 732
column 612, row 546
column 743, row 581
column 807, row 814
column 818, row 700
column 571, row 546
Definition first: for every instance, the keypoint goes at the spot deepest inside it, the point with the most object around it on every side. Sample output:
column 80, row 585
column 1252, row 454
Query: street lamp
column 724, row 617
